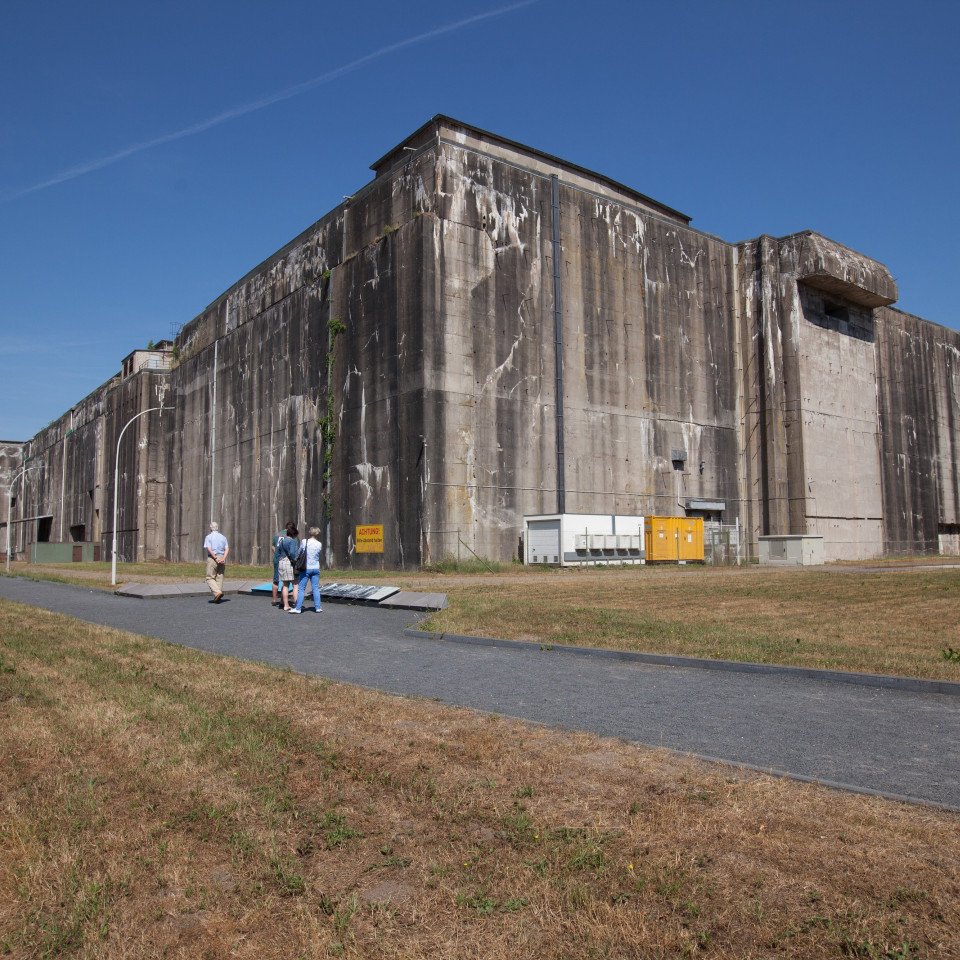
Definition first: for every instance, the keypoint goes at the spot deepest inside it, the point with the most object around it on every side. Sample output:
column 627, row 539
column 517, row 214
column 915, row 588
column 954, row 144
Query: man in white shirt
column 216, row 548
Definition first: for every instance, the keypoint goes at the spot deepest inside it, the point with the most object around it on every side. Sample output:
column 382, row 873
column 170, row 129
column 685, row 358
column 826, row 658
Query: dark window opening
column 44, row 526
column 78, row 533
column 836, row 311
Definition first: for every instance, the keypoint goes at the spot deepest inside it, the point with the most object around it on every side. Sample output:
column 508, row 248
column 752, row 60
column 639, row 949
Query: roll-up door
column 543, row 545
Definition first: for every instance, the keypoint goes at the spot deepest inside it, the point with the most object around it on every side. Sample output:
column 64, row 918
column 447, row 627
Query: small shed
column 582, row 539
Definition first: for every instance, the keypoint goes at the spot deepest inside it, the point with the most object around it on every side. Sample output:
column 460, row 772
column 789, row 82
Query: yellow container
column 672, row 539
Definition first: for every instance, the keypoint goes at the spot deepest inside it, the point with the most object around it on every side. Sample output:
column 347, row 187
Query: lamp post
column 116, row 487
column 13, row 483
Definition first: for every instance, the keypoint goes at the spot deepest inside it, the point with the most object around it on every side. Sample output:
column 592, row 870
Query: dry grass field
column 159, row 802
column 895, row 622
column 891, row 621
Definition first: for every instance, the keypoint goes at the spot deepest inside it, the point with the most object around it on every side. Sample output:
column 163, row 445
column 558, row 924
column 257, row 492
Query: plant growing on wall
column 327, row 423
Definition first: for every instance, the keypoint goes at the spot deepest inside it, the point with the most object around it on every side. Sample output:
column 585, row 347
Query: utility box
column 582, row 539
column 674, row 539
column 790, row 551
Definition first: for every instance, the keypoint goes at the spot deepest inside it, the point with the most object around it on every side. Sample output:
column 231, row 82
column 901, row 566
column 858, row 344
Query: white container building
column 583, row 539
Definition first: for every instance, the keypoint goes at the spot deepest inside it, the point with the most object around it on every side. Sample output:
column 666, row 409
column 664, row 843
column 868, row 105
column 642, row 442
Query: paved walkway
column 895, row 742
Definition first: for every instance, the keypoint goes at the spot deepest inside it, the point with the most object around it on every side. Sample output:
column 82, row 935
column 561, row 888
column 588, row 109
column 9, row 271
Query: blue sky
column 750, row 117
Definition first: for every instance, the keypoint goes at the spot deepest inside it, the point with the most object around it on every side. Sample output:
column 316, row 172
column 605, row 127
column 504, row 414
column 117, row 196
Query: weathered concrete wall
column 812, row 456
column 444, row 379
column 838, row 377
column 648, row 357
column 919, row 400
column 141, row 500
column 649, row 362
column 490, row 442
column 69, row 488
column 770, row 375
column 11, row 460
column 247, row 446
column 63, row 465
column 244, row 434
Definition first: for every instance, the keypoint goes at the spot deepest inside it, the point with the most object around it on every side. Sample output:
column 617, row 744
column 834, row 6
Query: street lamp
column 116, row 487
column 13, row 483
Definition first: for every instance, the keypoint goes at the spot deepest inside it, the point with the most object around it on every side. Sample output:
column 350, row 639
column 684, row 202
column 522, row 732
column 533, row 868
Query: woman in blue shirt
column 276, row 563
column 283, row 559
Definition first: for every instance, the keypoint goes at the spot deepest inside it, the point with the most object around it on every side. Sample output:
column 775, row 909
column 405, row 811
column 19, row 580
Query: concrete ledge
column 164, row 591
column 390, row 598
column 912, row 684
column 407, row 600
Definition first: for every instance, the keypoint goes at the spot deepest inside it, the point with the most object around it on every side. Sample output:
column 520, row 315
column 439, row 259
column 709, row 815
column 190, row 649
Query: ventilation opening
column 78, row 533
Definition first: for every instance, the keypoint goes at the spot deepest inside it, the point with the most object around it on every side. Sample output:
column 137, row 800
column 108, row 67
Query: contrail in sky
column 242, row 109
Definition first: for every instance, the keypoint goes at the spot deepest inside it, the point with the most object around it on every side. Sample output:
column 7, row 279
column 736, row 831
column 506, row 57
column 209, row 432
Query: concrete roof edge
column 104, row 389
column 337, row 210
column 442, row 118
column 274, row 257
column 808, row 233
column 953, row 331
column 836, row 243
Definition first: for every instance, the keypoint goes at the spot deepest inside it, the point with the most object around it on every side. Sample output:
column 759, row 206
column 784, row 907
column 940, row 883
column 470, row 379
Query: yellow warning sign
column 370, row 538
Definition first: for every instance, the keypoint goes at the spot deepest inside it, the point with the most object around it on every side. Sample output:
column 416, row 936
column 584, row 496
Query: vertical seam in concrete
column 213, row 428
column 793, row 395
column 740, row 409
column 762, row 327
column 558, row 338
column 63, row 474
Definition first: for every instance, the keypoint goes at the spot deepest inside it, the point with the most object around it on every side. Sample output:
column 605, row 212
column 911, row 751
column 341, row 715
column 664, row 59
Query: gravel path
column 893, row 742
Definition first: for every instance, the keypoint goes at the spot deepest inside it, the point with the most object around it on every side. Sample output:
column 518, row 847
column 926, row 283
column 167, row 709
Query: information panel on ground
column 369, row 538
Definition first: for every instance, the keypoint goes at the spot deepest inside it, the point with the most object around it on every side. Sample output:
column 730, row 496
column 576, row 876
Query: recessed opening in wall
column 836, row 311
column 948, row 535
column 44, row 526
column 77, row 532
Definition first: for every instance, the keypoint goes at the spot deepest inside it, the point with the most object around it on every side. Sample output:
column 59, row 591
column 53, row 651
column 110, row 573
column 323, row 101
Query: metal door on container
column 690, row 540
column 543, row 542
column 661, row 534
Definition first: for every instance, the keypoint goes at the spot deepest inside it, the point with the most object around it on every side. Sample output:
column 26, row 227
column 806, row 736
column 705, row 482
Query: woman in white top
column 312, row 546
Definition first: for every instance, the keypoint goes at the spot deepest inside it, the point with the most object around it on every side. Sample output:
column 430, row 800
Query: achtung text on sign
column 369, row 538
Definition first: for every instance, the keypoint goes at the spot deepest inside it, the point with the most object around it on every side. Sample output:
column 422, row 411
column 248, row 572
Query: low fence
column 448, row 547
column 722, row 544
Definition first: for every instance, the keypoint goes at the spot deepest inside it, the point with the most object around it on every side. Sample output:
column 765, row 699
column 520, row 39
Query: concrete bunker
column 484, row 332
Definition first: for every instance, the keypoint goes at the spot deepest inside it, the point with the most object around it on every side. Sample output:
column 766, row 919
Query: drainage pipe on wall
column 558, row 338
column 63, row 471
